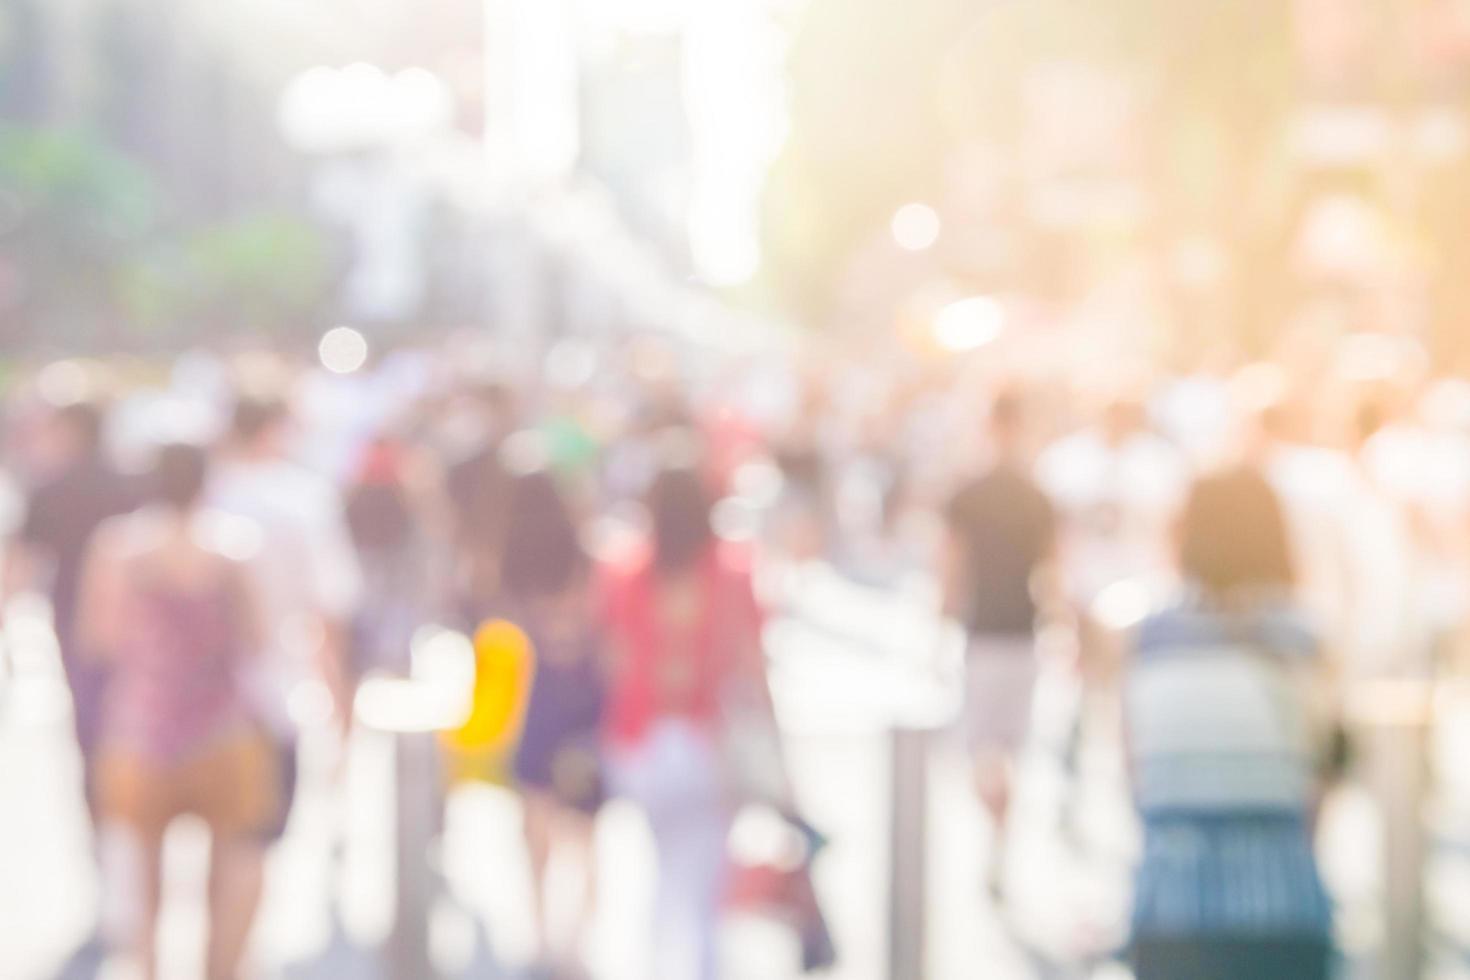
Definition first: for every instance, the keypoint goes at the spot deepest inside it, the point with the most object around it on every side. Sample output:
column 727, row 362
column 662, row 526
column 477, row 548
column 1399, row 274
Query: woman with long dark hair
column 545, row 591
column 683, row 620
column 1224, row 751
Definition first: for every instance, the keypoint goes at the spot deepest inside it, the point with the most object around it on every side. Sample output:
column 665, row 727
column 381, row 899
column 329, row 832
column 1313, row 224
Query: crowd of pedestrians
column 1218, row 554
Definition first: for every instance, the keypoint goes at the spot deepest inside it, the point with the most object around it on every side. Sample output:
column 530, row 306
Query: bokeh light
column 343, row 350
column 915, row 227
column 968, row 324
column 64, row 383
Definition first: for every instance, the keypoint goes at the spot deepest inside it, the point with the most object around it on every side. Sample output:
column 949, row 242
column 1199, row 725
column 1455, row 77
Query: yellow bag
column 481, row 749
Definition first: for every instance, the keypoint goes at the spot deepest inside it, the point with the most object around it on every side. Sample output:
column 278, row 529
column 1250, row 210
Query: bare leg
column 236, row 876
column 580, row 828
column 539, row 813
column 150, row 883
column 993, row 785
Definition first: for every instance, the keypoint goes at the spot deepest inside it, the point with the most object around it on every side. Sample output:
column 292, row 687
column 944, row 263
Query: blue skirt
column 1214, row 958
column 1235, row 875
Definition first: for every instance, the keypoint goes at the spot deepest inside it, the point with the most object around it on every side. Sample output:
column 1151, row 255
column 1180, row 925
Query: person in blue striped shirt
column 1224, row 748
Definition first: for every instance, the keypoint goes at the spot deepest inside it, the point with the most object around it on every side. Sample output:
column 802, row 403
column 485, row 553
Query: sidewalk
column 328, row 909
column 323, row 916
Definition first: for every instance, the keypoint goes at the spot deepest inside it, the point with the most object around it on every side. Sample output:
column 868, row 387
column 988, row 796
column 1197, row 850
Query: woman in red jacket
column 684, row 627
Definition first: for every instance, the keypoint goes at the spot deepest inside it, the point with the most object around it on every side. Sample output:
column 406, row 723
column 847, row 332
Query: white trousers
column 673, row 774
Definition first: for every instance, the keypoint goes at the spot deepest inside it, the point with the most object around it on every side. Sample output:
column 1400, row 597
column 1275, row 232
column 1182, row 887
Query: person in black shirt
column 1001, row 536
column 61, row 514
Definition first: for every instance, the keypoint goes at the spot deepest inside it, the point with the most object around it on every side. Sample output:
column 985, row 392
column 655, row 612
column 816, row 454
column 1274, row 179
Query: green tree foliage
column 91, row 254
column 262, row 273
column 71, row 210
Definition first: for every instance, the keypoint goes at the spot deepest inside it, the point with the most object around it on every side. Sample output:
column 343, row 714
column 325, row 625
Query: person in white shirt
column 1421, row 462
column 1118, row 487
column 1318, row 487
column 305, row 568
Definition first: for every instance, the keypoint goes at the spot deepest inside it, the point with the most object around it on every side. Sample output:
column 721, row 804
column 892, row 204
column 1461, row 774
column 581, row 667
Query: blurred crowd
column 233, row 544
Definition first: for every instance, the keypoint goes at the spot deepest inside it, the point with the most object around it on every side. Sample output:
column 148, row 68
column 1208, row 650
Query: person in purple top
column 62, row 512
column 545, row 590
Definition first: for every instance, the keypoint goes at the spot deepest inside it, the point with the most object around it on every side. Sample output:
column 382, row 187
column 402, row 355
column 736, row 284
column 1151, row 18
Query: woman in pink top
column 684, row 627
column 163, row 601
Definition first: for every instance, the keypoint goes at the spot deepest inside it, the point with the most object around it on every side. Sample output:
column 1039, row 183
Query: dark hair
column 679, row 511
column 255, row 415
column 495, row 395
column 179, row 474
column 1008, row 409
column 1233, row 535
column 1275, row 418
column 492, row 402
column 379, row 515
column 84, row 419
column 1370, row 415
column 542, row 553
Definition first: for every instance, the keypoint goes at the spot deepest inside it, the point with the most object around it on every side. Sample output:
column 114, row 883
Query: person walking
column 1002, row 537
column 61, row 515
column 397, row 536
column 169, row 606
column 684, row 623
column 546, row 591
column 305, row 570
column 1224, row 743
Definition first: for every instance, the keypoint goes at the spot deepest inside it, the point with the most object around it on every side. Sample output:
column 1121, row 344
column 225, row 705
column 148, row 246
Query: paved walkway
column 328, row 908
